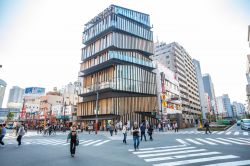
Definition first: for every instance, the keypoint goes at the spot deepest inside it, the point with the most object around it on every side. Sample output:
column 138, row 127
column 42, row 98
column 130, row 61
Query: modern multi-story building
column 200, row 87
column 224, row 106
column 168, row 94
column 15, row 97
column 209, row 89
column 2, row 91
column 238, row 109
column 248, row 83
column 118, row 82
column 176, row 58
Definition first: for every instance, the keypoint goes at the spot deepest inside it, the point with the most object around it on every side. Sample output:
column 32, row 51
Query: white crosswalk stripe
column 235, row 142
column 195, row 142
column 192, row 161
column 236, row 133
column 205, row 141
column 213, row 132
column 214, row 141
column 234, row 163
column 218, row 141
column 56, row 142
column 171, row 156
column 245, row 133
column 182, row 142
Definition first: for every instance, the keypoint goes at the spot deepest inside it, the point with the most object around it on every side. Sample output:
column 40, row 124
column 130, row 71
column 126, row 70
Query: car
column 238, row 122
column 245, row 124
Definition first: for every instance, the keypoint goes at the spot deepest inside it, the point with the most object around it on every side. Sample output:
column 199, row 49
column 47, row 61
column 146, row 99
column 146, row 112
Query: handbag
column 77, row 142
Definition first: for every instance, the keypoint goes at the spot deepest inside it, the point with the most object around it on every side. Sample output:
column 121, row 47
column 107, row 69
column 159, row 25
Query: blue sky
column 40, row 41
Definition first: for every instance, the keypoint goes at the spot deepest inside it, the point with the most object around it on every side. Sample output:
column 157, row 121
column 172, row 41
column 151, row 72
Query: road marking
column 245, row 139
column 240, row 140
column 181, row 156
column 164, row 150
column 245, row 133
column 236, row 133
column 214, row 132
column 230, row 128
column 234, row 163
column 231, row 141
column 195, row 142
column 101, row 143
column 208, row 142
column 170, row 153
column 220, row 132
column 228, row 133
column 182, row 142
column 197, row 160
column 80, row 143
column 215, row 140
column 160, row 147
column 92, row 142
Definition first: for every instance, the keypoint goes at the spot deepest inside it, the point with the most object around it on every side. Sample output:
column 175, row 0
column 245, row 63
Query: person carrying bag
column 74, row 141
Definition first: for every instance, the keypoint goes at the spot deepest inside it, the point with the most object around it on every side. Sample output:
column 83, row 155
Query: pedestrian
column 74, row 141
column 175, row 127
column 150, row 132
column 116, row 128
column 90, row 127
column 206, row 125
column 143, row 129
column 20, row 134
column 111, row 129
column 3, row 133
column 124, row 131
column 135, row 132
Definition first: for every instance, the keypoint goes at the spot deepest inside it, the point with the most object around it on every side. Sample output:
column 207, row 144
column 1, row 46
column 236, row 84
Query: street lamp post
column 96, row 118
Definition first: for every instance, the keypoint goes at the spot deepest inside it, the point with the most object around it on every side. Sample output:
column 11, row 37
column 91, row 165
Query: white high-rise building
column 2, row 91
column 239, row 109
column 15, row 97
column 200, row 87
column 176, row 58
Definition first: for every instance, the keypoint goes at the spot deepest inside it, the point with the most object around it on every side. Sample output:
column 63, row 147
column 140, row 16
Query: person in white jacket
column 124, row 131
column 20, row 134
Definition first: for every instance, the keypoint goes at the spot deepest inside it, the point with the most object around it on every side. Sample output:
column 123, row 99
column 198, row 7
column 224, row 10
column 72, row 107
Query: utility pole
column 96, row 118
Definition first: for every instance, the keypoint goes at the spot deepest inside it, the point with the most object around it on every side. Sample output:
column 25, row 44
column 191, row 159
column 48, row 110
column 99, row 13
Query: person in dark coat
column 206, row 125
column 150, row 132
column 74, row 141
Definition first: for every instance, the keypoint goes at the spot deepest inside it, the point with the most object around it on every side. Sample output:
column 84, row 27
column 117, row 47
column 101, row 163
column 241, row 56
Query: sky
column 40, row 41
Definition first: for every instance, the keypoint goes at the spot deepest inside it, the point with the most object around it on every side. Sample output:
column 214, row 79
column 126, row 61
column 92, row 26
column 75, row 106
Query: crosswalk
column 214, row 141
column 237, row 133
column 183, row 154
column 61, row 142
column 30, row 134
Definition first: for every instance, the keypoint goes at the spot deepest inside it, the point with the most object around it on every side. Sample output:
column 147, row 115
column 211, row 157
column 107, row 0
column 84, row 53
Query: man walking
column 135, row 132
column 3, row 133
column 124, row 131
column 20, row 134
column 143, row 129
column 206, row 125
column 175, row 127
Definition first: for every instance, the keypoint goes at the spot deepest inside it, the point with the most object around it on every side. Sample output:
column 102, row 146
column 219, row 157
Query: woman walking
column 20, row 134
column 135, row 131
column 124, row 131
column 150, row 132
column 74, row 141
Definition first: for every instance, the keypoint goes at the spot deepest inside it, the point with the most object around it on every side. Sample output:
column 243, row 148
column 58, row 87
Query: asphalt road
column 188, row 147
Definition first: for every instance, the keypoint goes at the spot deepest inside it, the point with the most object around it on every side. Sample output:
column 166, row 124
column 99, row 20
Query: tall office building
column 203, row 101
column 209, row 89
column 238, row 109
column 248, row 75
column 117, row 74
column 224, row 106
column 15, row 97
column 2, row 91
column 176, row 58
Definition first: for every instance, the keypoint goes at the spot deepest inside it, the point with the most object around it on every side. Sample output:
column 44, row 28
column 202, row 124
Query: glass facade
column 119, row 41
column 124, row 35
column 122, row 77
